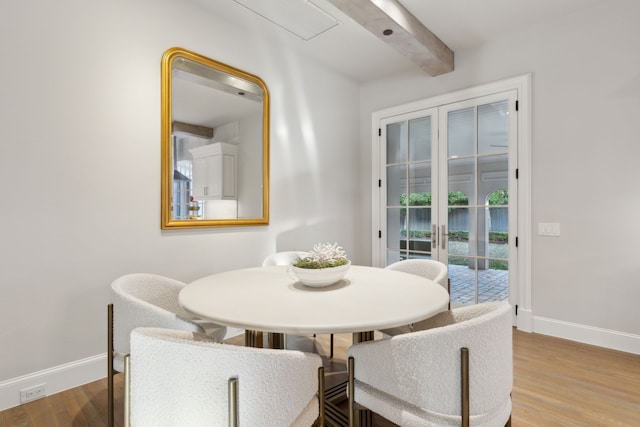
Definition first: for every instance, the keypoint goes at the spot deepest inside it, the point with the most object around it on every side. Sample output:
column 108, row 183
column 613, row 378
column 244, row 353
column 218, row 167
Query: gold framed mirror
column 215, row 144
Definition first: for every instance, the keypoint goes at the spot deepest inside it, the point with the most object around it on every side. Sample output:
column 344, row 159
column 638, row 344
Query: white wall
column 80, row 165
column 586, row 104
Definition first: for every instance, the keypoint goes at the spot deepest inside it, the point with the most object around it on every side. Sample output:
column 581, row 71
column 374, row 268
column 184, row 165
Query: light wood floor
column 556, row 383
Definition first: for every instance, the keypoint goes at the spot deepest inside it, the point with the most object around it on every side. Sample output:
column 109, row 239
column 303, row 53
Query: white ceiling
column 352, row 50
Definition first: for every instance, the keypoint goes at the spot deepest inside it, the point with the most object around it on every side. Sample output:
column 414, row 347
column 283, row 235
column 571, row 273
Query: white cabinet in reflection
column 214, row 171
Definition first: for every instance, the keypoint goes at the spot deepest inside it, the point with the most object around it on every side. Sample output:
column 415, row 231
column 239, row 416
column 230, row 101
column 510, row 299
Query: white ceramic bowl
column 319, row 277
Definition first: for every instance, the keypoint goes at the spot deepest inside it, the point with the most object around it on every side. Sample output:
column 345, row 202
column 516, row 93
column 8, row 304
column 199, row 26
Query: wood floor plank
column 43, row 412
column 98, row 394
column 560, row 382
column 62, row 415
column 17, row 417
column 556, row 383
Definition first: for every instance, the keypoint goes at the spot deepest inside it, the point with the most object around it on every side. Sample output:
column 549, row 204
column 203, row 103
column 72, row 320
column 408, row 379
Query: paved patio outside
column 493, row 285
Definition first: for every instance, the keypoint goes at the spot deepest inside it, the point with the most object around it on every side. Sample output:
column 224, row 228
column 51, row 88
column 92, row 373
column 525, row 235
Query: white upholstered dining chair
column 179, row 378
column 458, row 370
column 431, row 269
column 145, row 300
column 286, row 258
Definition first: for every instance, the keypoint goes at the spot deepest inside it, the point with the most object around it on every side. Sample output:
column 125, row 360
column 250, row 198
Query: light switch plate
column 548, row 229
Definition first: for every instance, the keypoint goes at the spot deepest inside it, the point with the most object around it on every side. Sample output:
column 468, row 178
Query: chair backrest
column 423, row 368
column 284, row 258
column 431, row 269
column 179, row 378
column 146, row 300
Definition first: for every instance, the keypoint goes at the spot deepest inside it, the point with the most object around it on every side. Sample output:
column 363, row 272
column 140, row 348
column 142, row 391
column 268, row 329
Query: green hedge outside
column 457, row 235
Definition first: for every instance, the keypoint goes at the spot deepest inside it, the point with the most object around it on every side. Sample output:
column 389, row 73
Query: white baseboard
column 57, row 379
column 524, row 320
column 615, row 340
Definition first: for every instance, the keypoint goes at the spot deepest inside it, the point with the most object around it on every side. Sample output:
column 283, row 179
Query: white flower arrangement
column 324, row 255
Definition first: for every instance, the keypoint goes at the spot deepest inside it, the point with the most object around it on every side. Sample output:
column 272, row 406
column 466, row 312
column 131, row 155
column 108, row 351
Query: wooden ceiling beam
column 195, row 130
column 408, row 35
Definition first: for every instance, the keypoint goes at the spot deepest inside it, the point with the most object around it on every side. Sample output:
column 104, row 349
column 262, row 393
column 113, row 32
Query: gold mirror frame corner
column 167, row 220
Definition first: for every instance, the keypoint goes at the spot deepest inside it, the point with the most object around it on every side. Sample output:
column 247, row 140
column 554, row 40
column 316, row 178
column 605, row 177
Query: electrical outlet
column 33, row 393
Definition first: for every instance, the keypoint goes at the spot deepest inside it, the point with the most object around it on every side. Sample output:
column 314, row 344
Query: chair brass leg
column 321, row 401
column 110, row 372
column 233, row 402
column 351, row 390
column 464, row 370
column 127, row 391
column 449, row 291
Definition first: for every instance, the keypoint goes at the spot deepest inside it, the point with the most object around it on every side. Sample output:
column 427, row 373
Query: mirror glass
column 215, row 143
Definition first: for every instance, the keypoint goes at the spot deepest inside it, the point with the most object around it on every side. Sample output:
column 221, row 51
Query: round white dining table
column 270, row 299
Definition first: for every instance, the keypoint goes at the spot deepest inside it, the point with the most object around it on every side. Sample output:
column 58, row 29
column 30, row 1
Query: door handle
column 434, row 236
column 443, row 234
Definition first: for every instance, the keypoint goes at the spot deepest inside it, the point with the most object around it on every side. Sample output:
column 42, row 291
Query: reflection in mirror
column 215, row 144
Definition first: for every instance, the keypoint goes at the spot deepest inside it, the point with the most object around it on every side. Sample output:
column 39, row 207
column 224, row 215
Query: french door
column 448, row 192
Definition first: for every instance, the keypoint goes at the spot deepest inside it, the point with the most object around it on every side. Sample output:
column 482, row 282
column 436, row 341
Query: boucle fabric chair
column 286, row 258
column 431, row 269
column 178, row 378
column 419, row 378
column 146, row 300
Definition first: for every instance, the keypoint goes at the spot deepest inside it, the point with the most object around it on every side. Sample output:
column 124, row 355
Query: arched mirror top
column 215, row 144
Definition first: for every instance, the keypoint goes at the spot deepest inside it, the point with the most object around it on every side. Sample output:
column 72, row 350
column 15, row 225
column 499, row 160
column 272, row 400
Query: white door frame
column 520, row 295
